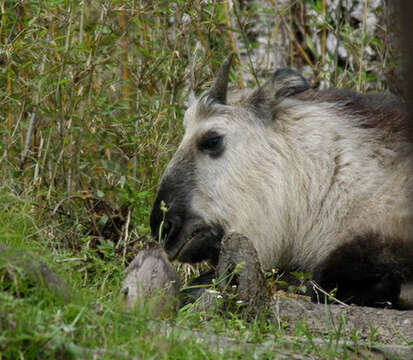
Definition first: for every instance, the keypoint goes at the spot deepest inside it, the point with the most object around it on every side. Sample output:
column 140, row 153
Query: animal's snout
column 170, row 228
column 165, row 225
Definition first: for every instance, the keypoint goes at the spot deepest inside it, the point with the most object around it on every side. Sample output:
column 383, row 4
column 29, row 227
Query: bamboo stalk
column 361, row 55
column 126, row 237
column 32, row 122
column 124, row 47
column 296, row 43
column 324, row 32
column 3, row 18
column 234, row 45
column 82, row 20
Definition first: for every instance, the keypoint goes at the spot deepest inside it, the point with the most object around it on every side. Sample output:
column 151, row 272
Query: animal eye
column 211, row 143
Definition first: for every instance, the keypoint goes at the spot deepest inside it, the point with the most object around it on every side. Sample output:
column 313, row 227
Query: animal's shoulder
column 375, row 110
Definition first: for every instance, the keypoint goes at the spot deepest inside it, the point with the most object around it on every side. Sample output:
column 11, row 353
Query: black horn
column 218, row 91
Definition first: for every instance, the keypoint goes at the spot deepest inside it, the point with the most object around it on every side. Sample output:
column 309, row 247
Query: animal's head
column 222, row 176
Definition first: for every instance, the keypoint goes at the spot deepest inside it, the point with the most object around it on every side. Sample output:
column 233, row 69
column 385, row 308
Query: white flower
column 212, row 292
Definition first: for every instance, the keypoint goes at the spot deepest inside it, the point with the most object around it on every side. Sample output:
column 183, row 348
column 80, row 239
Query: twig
column 9, row 144
column 71, row 259
column 316, row 287
column 363, row 31
column 233, row 43
column 125, row 241
column 297, row 44
column 59, row 204
column 324, row 32
column 33, row 114
column 124, row 47
column 241, row 28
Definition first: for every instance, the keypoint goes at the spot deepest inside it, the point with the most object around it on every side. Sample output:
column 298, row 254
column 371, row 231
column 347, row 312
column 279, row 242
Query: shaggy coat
column 318, row 180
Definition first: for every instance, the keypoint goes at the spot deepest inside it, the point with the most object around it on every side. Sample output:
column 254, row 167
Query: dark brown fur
column 368, row 270
column 381, row 111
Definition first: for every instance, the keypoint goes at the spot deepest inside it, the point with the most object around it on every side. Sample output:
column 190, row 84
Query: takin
column 320, row 181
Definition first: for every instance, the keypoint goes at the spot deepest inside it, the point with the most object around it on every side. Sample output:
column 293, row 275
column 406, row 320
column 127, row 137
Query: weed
column 92, row 97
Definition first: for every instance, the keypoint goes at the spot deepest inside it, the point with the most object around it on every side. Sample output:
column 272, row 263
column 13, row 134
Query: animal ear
column 283, row 83
column 286, row 82
column 218, row 91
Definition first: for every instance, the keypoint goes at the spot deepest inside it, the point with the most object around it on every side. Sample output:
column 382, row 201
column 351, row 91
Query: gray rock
column 151, row 281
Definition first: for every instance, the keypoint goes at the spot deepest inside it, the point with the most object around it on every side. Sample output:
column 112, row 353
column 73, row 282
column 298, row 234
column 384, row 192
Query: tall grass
column 93, row 92
column 92, row 95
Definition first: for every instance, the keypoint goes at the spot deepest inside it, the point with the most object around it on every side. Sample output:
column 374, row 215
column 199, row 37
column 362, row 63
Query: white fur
column 300, row 185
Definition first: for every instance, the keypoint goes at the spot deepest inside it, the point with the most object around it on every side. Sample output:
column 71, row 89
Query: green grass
column 92, row 96
column 93, row 323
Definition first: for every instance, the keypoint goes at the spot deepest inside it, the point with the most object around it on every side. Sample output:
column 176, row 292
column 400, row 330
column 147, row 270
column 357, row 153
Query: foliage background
column 93, row 92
